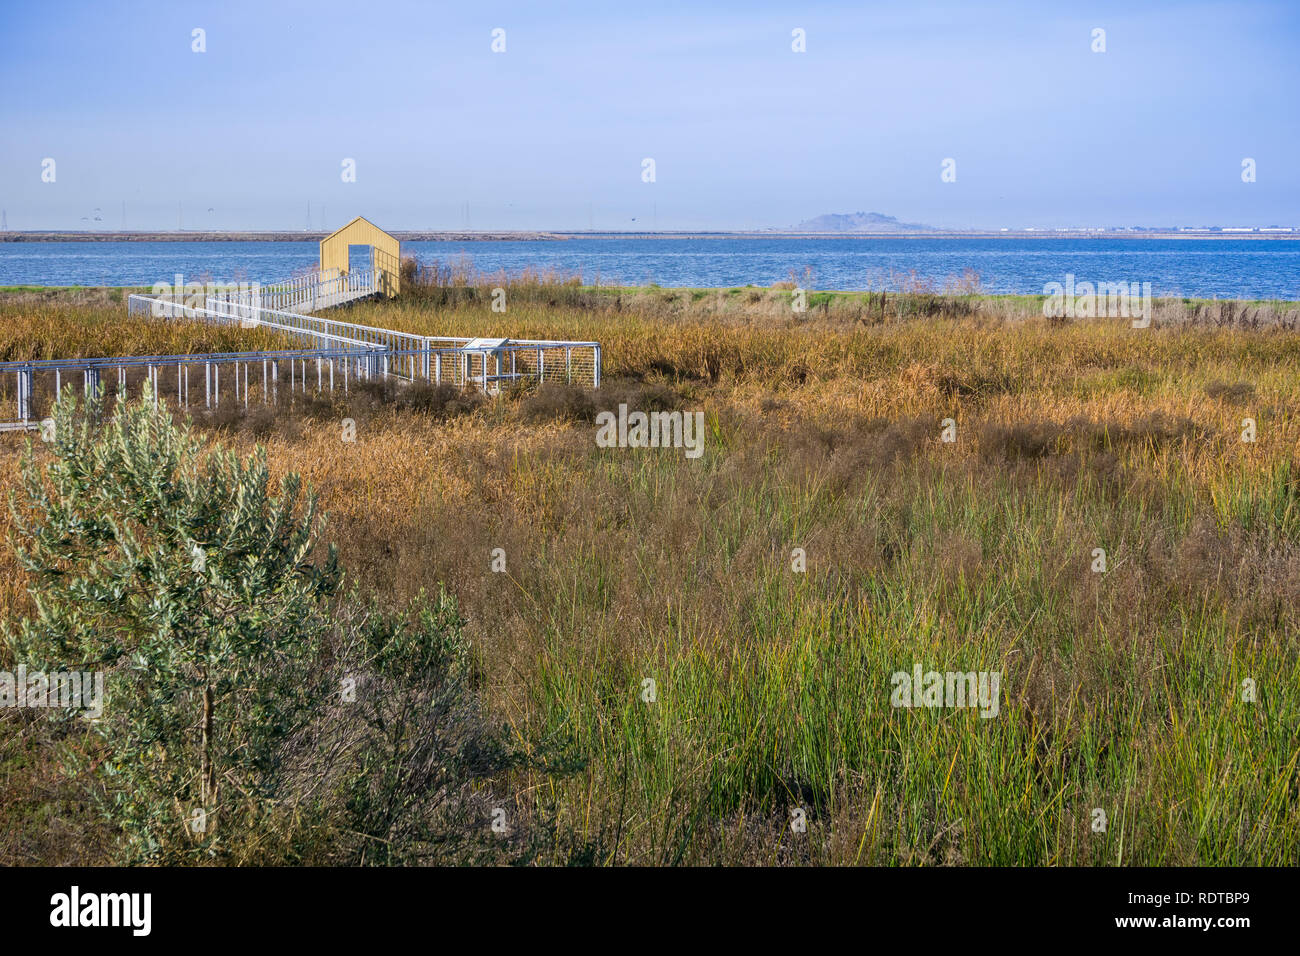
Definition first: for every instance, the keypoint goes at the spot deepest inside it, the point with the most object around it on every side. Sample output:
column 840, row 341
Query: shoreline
column 14, row 293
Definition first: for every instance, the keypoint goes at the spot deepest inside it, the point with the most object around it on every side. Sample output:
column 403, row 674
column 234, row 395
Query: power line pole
column 4, row 220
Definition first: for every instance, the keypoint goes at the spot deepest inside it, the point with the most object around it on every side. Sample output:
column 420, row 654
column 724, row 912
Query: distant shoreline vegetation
column 774, row 298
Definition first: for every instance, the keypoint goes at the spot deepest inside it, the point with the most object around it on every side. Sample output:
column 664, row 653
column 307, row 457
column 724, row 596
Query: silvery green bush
column 199, row 594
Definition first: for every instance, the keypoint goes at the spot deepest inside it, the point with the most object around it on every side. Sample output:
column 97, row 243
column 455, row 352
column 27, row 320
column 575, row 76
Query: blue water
column 1200, row 268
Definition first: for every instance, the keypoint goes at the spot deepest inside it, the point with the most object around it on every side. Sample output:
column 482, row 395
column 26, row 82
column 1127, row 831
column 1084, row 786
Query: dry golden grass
column 824, row 433
column 60, row 330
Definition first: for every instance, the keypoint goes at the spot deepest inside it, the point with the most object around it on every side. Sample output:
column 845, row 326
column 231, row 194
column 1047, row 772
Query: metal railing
column 319, row 289
column 335, row 368
column 217, row 311
column 341, row 352
column 158, row 375
column 547, row 360
column 298, row 292
column 307, row 293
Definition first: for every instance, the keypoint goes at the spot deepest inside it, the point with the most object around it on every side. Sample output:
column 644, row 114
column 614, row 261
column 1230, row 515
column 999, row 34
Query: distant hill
column 858, row 222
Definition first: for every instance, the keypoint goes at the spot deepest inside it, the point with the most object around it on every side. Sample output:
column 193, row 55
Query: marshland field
column 658, row 677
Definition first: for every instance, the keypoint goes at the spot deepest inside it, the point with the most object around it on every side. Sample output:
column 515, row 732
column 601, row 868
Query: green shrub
column 196, row 593
column 247, row 716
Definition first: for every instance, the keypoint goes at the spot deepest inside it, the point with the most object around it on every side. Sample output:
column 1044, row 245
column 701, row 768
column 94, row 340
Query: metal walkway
column 333, row 355
column 322, row 289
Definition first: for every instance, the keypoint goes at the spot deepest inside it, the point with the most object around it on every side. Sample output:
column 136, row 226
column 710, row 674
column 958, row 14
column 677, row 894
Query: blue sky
column 744, row 132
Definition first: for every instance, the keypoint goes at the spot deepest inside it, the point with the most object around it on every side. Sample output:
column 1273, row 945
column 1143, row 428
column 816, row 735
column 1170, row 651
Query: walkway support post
column 24, row 393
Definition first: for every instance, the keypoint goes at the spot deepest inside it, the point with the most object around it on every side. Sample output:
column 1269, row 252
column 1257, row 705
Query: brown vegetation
column 1123, row 688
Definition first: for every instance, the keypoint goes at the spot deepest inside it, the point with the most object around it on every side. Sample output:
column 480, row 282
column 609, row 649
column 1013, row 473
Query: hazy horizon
column 1160, row 229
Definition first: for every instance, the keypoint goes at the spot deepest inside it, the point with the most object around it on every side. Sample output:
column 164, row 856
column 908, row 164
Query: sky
column 553, row 132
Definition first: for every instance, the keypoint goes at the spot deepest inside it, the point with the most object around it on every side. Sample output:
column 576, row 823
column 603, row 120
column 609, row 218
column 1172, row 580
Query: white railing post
column 24, row 393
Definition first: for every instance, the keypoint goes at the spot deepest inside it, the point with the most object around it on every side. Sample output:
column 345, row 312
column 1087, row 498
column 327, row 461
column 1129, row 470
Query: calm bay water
column 1200, row 268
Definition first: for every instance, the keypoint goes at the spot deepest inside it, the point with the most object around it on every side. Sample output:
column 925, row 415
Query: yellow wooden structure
column 385, row 252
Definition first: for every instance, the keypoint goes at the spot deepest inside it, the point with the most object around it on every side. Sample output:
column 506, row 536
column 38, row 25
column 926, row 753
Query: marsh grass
column 1121, row 691
column 58, row 329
